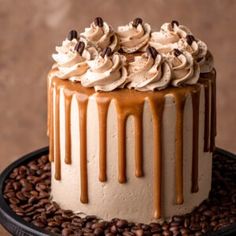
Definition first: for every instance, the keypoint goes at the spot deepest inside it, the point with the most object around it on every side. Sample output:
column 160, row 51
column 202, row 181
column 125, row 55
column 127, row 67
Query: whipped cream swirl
column 185, row 70
column 169, row 35
column 149, row 72
column 105, row 73
column 198, row 49
column 101, row 35
column 71, row 59
column 134, row 36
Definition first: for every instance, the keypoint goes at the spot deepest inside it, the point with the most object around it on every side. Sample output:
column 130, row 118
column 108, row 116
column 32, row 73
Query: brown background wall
column 29, row 31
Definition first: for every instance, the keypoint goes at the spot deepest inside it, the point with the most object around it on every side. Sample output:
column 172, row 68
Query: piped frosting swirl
column 101, row 35
column 134, row 36
column 156, row 60
column 106, row 72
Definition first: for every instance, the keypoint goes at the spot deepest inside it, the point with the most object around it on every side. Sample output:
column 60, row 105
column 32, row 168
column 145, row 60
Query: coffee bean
column 152, row 51
column 121, row 223
column 98, row 21
column 106, row 52
column 72, row 35
column 98, row 231
column 174, row 22
column 190, row 39
column 177, row 52
column 137, row 21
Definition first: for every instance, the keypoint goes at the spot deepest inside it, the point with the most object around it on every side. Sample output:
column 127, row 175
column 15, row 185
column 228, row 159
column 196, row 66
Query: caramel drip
column 68, row 98
column 51, row 123
column 82, row 105
column 213, row 114
column 180, row 103
column 125, row 108
column 57, row 136
column 157, row 106
column 103, row 105
column 138, row 145
column 122, row 147
column 195, row 104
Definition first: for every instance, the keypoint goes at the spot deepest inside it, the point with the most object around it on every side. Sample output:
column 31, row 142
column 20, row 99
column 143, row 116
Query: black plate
column 18, row 227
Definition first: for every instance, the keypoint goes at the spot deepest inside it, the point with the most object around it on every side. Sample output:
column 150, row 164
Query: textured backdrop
column 31, row 29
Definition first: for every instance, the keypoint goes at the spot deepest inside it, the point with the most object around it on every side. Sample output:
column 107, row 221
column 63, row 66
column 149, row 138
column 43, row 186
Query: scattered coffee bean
column 28, row 195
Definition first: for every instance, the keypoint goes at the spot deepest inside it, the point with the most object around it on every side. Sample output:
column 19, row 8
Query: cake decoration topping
column 152, row 51
column 105, row 73
column 184, row 69
column 134, row 36
column 107, row 51
column 79, row 47
column 149, row 72
column 98, row 22
column 179, row 50
column 174, row 22
column 137, row 21
column 101, row 35
column 190, row 38
column 72, row 35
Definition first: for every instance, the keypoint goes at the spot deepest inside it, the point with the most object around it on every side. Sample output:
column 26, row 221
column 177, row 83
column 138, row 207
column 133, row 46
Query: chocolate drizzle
column 130, row 103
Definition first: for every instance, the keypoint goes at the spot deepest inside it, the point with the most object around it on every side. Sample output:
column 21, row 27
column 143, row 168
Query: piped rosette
column 198, row 50
column 149, row 72
column 168, row 37
column 101, row 35
column 106, row 72
column 71, row 58
column 185, row 70
column 134, row 36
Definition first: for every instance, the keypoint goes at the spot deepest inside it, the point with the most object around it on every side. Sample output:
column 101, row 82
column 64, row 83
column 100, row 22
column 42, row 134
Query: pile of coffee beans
column 27, row 191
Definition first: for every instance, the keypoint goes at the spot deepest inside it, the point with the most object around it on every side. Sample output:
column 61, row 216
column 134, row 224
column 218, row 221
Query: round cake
column 131, row 121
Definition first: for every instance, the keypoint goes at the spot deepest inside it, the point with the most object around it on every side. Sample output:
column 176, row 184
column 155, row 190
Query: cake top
column 133, row 56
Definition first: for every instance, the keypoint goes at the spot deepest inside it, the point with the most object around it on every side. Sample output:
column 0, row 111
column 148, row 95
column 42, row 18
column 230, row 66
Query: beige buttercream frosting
column 180, row 60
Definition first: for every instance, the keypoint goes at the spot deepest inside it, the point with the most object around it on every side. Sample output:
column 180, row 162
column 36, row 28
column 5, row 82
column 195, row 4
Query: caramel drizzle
column 57, row 152
column 124, row 108
column 51, row 123
column 180, row 103
column 82, row 105
column 195, row 104
column 157, row 107
column 103, row 105
column 68, row 98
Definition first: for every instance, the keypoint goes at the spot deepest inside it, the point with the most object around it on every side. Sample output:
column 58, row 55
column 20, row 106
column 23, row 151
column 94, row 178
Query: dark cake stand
column 19, row 227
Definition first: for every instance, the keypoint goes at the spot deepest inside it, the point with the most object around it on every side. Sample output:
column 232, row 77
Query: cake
column 131, row 121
